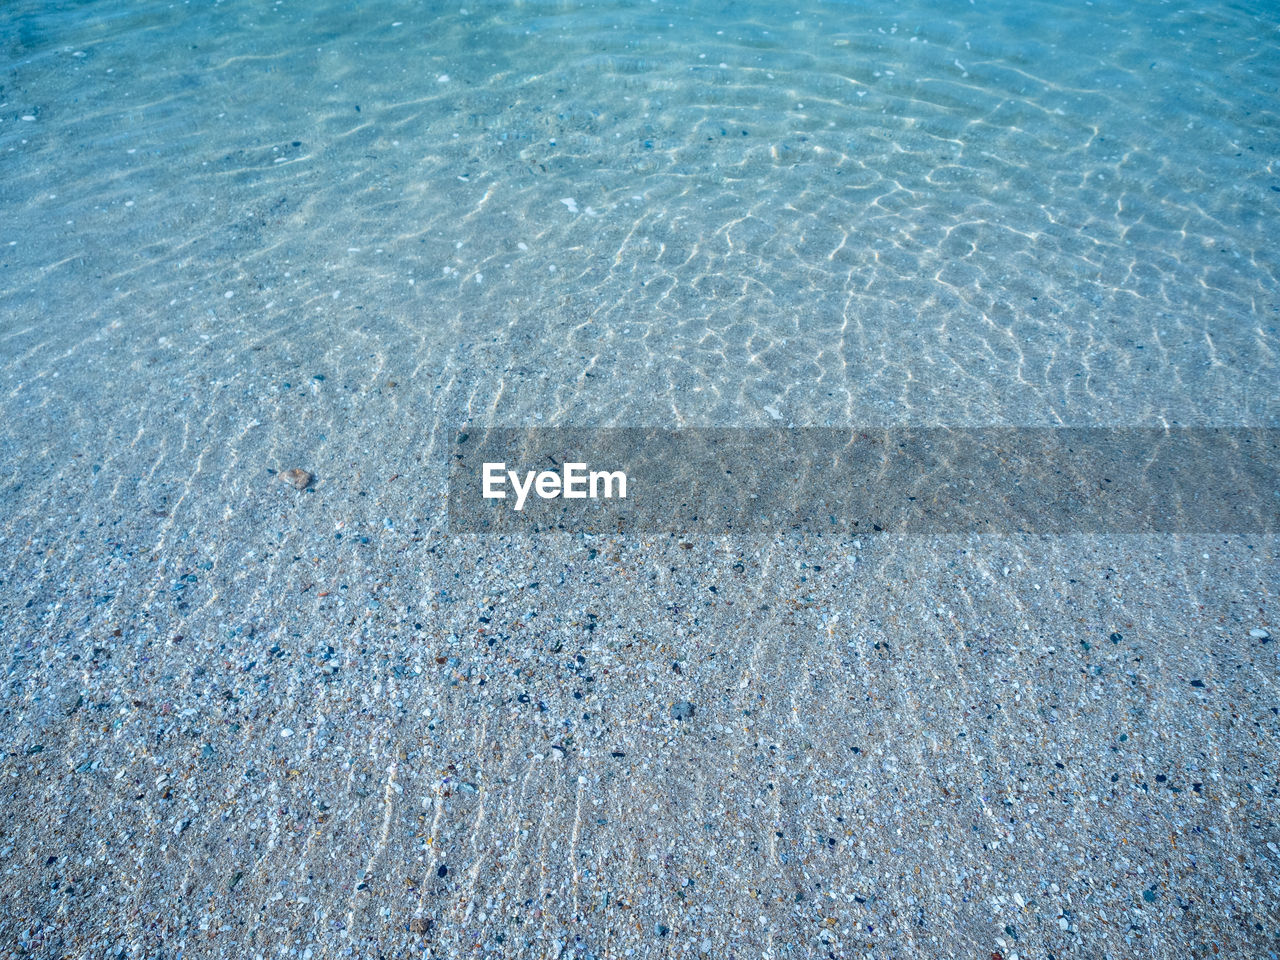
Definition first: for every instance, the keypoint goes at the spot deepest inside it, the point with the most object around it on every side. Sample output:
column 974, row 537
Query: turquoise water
column 244, row 718
column 649, row 213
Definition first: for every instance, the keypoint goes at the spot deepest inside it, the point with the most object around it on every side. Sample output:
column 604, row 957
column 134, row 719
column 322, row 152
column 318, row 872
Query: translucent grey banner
column 909, row 480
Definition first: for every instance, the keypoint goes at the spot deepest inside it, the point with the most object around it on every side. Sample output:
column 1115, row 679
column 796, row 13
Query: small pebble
column 300, row 479
column 1259, row 634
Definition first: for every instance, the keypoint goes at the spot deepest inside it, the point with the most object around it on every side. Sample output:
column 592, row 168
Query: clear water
column 240, row 719
column 864, row 213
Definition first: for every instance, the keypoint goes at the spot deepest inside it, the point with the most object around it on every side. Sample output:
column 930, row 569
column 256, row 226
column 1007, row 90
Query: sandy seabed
column 406, row 741
column 250, row 718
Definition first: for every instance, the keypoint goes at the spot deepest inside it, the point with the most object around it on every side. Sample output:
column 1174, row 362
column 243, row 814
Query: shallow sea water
column 985, row 213
column 244, row 720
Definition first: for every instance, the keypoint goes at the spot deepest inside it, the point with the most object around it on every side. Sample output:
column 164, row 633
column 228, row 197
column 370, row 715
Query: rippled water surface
column 730, row 213
column 241, row 719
